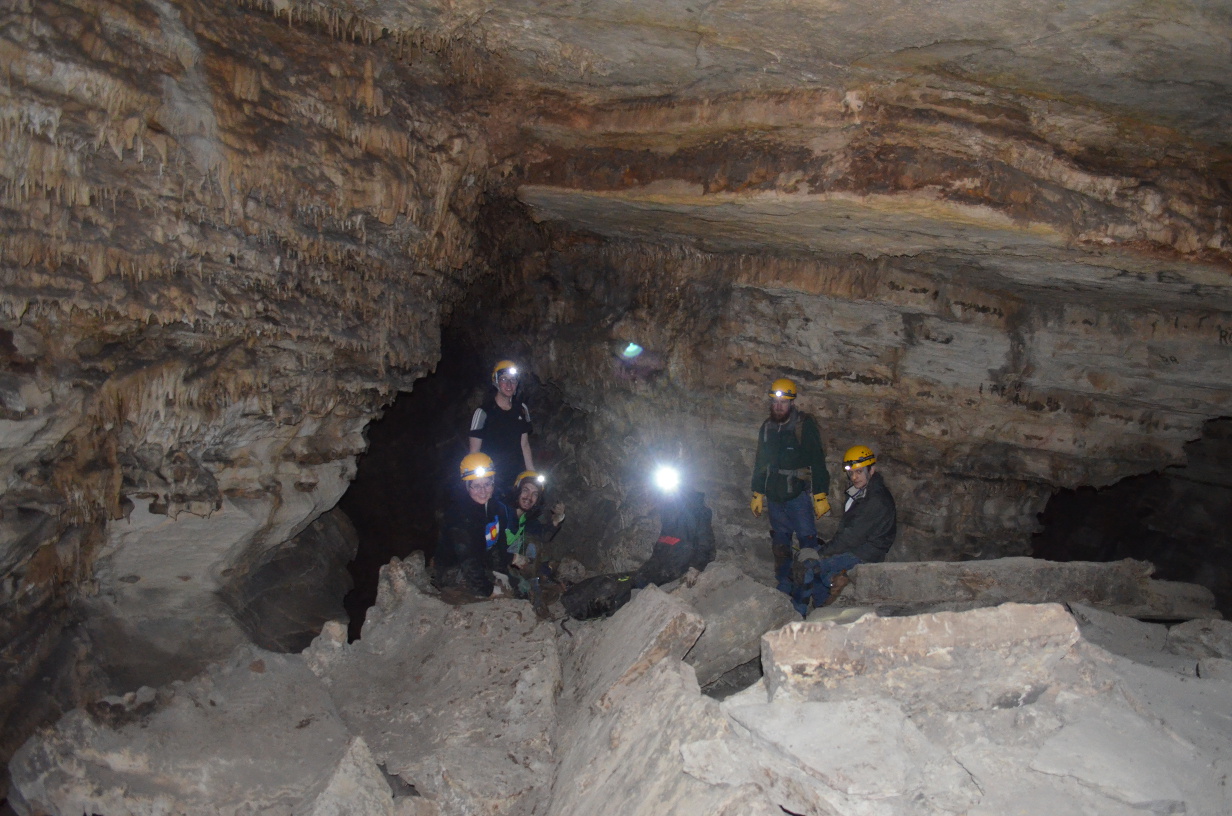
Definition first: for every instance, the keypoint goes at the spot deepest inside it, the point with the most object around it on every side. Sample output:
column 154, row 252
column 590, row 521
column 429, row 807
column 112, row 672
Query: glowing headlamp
column 632, row 350
column 481, row 471
column 666, row 478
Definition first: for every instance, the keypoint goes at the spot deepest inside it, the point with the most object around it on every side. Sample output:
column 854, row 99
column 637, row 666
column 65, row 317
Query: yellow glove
column 821, row 505
column 758, row 505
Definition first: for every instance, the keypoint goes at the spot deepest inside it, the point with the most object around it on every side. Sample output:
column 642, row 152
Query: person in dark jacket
column 868, row 526
column 789, row 476
column 471, row 546
column 686, row 537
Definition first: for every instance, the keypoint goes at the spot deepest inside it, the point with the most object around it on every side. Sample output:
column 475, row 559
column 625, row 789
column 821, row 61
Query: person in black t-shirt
column 501, row 426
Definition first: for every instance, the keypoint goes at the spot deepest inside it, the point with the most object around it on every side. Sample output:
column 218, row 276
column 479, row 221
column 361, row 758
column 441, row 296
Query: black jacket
column 686, row 539
column 869, row 526
column 471, row 543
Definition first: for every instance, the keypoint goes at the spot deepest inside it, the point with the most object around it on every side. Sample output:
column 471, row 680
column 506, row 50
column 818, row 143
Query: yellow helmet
column 536, row 477
column 476, row 466
column 506, row 367
column 783, row 388
column 859, row 456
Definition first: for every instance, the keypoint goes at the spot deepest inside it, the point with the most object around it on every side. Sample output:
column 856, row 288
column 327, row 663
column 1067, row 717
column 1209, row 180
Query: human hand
column 821, row 505
column 758, row 505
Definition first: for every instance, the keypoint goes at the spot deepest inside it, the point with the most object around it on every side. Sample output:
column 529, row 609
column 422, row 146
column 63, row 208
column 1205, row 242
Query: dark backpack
column 598, row 597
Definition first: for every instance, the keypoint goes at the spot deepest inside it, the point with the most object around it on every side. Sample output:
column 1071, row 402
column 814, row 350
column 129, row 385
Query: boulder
column 737, row 611
column 458, row 702
column 256, row 734
column 1123, row 587
column 1137, row 640
column 627, row 755
column 1201, row 638
column 999, row 657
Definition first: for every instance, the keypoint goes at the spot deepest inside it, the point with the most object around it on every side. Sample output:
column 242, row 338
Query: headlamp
column 666, row 478
column 632, row 350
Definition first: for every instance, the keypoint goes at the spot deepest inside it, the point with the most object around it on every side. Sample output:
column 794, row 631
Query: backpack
column 598, row 597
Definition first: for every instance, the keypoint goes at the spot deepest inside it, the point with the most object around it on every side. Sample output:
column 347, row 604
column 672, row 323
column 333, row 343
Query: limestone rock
column 1123, row 587
column 737, row 611
column 628, row 758
column 861, row 752
column 1137, row 640
column 1159, row 774
column 1201, row 638
column 458, row 702
column 605, row 657
column 1000, row 657
column 284, row 599
column 258, row 733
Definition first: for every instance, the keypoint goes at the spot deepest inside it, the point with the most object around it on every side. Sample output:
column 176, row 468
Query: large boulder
column 256, row 734
column 999, row 657
column 458, row 702
column 1123, row 587
column 628, row 707
column 737, row 611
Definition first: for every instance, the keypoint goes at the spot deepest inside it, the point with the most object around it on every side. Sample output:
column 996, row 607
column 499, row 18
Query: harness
column 804, row 474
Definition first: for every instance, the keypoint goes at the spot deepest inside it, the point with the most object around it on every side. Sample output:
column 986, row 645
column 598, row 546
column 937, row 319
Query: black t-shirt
column 500, row 434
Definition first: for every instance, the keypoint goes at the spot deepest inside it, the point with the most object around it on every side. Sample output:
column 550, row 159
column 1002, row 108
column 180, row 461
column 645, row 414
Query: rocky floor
column 487, row 709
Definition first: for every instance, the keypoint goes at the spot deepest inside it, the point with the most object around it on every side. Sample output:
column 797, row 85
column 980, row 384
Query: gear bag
column 598, row 597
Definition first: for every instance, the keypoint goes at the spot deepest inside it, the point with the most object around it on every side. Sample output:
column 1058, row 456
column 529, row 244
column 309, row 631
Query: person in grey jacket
column 868, row 526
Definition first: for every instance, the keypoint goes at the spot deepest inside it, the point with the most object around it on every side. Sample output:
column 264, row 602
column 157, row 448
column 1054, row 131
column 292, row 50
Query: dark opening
column 403, row 479
column 1179, row 519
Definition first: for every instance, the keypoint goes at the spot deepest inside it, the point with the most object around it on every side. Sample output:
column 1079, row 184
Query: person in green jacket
column 789, row 476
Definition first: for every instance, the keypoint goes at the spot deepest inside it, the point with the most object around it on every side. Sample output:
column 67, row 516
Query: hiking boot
column 837, row 585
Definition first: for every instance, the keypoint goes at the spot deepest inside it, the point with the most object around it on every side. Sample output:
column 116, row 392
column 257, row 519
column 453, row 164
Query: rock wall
column 980, row 398
column 226, row 239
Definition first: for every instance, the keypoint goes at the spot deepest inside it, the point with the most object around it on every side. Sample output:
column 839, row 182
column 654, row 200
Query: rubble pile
column 486, row 709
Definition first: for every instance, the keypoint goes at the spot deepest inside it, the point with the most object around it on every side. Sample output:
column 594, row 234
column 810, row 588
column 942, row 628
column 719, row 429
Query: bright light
column 480, row 472
column 512, row 371
column 632, row 350
column 666, row 477
column 541, row 479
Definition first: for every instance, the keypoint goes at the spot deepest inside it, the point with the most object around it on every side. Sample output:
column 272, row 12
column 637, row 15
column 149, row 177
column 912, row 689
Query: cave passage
column 404, row 478
column 1179, row 519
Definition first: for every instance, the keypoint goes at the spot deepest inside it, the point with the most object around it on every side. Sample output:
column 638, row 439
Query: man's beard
column 776, row 417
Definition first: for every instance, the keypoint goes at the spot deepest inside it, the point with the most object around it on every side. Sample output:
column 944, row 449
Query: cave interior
column 259, row 257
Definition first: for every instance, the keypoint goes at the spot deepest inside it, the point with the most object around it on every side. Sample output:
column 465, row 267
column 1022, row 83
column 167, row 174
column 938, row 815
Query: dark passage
column 1179, row 519
column 402, row 479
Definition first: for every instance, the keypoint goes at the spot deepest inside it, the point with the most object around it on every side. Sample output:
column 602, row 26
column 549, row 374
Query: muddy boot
column 837, row 586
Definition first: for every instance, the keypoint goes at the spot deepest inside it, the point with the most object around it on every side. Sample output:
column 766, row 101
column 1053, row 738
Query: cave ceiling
column 1076, row 148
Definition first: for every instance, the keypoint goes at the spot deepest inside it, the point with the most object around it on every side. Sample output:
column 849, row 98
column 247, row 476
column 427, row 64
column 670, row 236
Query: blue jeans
column 792, row 516
column 818, row 581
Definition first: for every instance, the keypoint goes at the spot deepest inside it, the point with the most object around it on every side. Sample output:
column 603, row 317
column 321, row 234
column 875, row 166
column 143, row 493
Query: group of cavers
column 492, row 540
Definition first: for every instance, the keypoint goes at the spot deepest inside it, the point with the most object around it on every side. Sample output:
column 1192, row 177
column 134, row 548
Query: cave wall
column 227, row 236
column 980, row 398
